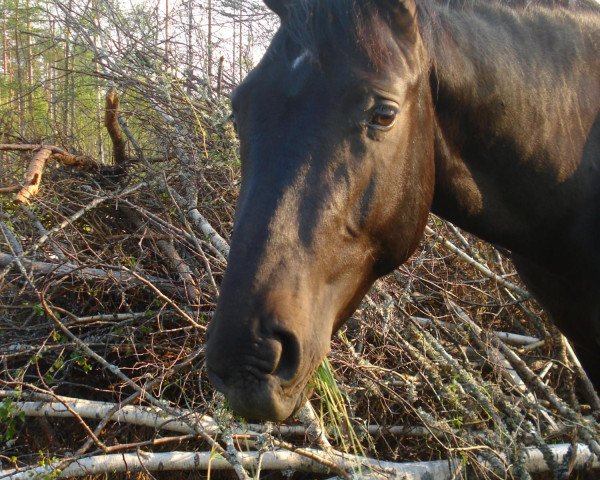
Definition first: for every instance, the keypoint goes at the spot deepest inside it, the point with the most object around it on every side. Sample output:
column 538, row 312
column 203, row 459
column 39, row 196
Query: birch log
column 370, row 469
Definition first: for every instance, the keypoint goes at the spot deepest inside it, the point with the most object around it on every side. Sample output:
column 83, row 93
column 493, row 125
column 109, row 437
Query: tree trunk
column 166, row 31
column 8, row 70
column 190, row 56
column 210, row 45
column 240, row 64
column 72, row 91
column 66, row 77
column 220, row 76
column 29, row 64
column 18, row 60
column 111, row 122
column 5, row 74
column 100, row 138
column 52, row 63
column 233, row 47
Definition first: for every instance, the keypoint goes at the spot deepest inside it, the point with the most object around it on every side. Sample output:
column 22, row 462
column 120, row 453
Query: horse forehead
column 299, row 72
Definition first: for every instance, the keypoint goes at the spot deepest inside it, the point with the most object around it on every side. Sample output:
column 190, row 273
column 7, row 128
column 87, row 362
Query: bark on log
column 79, row 161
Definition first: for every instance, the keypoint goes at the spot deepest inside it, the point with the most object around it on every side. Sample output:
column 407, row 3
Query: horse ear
column 280, row 7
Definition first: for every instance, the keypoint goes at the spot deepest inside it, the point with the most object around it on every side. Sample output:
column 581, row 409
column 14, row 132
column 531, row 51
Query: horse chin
column 263, row 400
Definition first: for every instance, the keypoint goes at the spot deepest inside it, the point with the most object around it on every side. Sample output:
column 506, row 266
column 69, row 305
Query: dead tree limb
column 57, row 153
column 111, row 122
column 171, row 256
column 33, row 177
column 284, row 460
column 152, row 418
column 482, row 268
column 43, row 154
column 87, row 273
column 588, row 387
column 23, row 147
column 507, row 337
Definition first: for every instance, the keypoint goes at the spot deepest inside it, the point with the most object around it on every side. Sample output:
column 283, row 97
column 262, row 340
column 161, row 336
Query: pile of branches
column 110, row 274
column 109, row 278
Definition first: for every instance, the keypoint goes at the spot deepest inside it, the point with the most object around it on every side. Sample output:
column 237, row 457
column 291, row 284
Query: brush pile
column 109, row 276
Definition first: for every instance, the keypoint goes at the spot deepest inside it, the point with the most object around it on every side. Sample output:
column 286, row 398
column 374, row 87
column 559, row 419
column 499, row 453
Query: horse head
column 336, row 142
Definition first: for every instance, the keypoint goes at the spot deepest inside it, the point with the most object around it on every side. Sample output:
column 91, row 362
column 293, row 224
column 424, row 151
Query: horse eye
column 383, row 117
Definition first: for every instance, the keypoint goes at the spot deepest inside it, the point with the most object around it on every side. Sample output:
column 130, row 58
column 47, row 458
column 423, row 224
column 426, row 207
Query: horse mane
column 345, row 26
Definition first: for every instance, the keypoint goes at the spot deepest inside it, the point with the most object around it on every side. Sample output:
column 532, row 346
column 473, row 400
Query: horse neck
column 515, row 94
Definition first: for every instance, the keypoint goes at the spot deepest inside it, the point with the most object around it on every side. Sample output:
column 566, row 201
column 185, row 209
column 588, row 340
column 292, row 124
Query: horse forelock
column 342, row 27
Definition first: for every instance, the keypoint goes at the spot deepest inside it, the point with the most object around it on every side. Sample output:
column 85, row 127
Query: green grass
column 333, row 411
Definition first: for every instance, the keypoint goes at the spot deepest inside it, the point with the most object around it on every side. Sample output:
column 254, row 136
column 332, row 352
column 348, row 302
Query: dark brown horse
column 362, row 117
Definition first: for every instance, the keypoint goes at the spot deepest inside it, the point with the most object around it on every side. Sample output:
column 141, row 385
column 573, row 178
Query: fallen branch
column 87, row 273
column 205, row 227
column 510, row 338
column 497, row 359
column 588, row 387
column 151, row 417
column 33, row 177
column 56, row 153
column 479, row 266
column 171, row 461
column 284, row 460
column 171, row 256
column 312, row 425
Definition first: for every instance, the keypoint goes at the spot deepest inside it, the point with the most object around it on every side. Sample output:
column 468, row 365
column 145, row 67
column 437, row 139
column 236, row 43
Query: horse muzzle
column 257, row 398
column 259, row 376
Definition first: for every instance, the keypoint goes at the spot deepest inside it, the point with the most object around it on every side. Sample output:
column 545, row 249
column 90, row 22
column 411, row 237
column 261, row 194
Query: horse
column 365, row 115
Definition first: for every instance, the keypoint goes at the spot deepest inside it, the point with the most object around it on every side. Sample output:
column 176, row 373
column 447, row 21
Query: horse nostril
column 289, row 360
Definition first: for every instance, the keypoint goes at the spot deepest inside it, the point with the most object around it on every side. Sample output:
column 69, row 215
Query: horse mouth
column 260, row 398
